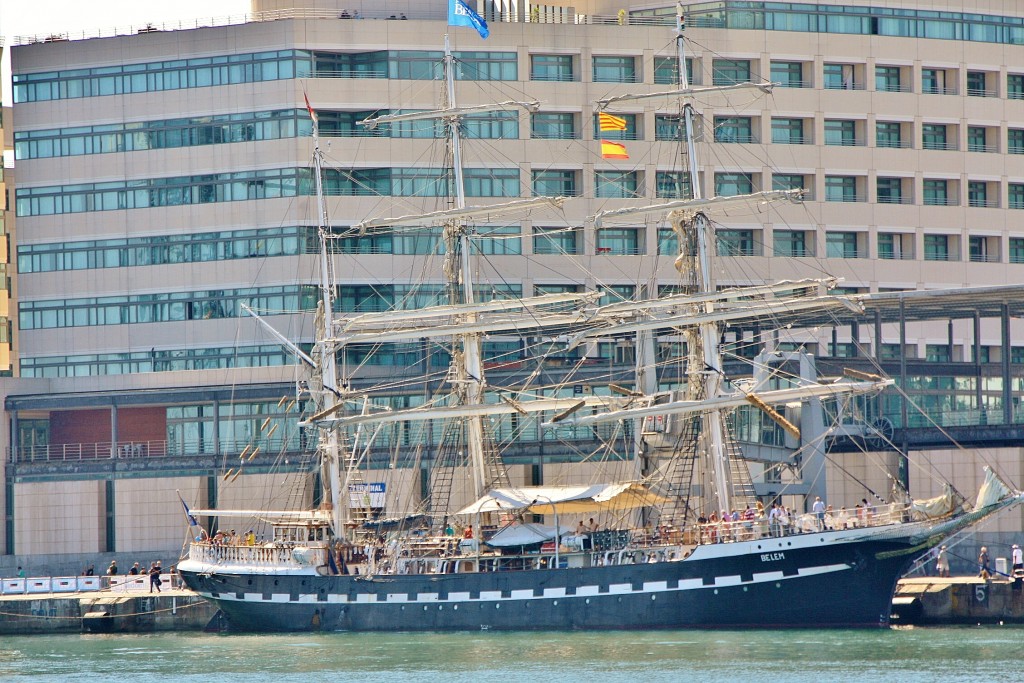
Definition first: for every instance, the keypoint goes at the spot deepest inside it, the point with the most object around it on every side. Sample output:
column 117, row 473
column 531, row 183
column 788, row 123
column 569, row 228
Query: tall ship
column 665, row 533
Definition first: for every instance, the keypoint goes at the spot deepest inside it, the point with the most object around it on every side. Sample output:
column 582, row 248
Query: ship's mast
column 467, row 366
column 328, row 379
column 704, row 363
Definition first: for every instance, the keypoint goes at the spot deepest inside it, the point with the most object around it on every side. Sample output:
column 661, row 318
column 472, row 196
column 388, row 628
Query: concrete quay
column 105, row 611
column 958, row 600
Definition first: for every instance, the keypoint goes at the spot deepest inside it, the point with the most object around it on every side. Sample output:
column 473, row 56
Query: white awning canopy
column 522, row 534
column 541, row 500
column 274, row 516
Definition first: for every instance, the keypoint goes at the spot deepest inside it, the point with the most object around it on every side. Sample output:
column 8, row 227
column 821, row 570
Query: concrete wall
column 65, row 516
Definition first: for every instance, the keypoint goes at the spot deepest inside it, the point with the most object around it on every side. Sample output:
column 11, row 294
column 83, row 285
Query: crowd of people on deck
column 777, row 521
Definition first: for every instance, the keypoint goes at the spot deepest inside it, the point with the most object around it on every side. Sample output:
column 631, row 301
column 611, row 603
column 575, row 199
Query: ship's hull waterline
column 831, row 579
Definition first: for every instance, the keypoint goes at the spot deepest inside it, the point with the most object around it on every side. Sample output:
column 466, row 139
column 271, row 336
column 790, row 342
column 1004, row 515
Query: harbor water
column 901, row 655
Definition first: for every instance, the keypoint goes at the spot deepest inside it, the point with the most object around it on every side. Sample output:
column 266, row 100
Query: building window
column 551, row 68
column 937, row 353
column 616, row 184
column 504, row 240
column 555, row 184
column 1015, row 141
column 1016, row 250
column 788, row 181
column 936, row 247
column 840, row 77
column 553, row 126
column 666, row 70
column 1015, row 86
column 888, row 134
column 672, row 185
column 615, row 70
column 977, row 140
column 735, row 243
column 933, row 136
column 977, row 194
column 730, row 71
column 977, row 84
column 841, row 245
column 788, row 74
column 670, row 128
column 495, row 125
column 790, row 243
column 840, row 133
column 1015, row 192
column 895, row 246
column 630, row 133
column 668, row 242
column 731, row 184
column 788, row 131
column 733, row 129
column 889, row 190
column 620, row 241
column 982, row 249
column 548, row 241
column 936, row 193
column 887, row 79
column 841, row 188
column 937, row 82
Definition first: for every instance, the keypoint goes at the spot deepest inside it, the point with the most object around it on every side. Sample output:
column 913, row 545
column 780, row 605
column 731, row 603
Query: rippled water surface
column 893, row 656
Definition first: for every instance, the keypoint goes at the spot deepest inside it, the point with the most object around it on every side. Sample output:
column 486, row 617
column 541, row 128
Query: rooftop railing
column 438, row 13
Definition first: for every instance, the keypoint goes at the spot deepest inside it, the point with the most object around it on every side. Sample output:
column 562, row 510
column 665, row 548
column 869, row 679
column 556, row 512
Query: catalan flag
column 613, row 150
column 606, row 121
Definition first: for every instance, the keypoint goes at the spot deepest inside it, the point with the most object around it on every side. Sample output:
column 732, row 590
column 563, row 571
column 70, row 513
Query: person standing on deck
column 819, row 512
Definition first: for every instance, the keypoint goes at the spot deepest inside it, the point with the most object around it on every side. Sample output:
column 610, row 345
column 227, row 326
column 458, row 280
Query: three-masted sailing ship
column 674, row 555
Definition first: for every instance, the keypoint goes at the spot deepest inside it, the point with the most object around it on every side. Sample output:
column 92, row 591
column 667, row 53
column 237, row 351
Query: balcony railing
column 984, row 258
column 555, row 77
column 107, row 450
column 941, row 201
column 895, row 199
column 983, row 203
column 893, row 87
column 555, row 135
column 982, row 92
column 846, row 85
column 895, row 144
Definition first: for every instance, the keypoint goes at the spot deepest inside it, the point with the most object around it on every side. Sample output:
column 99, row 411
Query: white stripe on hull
column 528, row 594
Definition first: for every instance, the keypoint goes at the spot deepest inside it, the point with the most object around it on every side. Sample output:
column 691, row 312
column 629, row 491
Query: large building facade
column 163, row 181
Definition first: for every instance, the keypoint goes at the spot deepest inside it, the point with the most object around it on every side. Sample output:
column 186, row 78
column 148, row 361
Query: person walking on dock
column 1018, row 559
column 942, row 563
column 985, row 572
column 154, row 576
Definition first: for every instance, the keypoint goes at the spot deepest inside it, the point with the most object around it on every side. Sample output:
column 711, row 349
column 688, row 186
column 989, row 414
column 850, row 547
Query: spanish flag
column 606, row 121
column 613, row 150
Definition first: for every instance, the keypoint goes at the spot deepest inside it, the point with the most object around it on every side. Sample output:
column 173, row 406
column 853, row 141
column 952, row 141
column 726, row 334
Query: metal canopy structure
column 922, row 305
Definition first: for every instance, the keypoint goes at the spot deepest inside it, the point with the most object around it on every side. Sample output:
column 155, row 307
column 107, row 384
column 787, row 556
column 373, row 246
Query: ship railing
column 269, row 554
column 805, row 523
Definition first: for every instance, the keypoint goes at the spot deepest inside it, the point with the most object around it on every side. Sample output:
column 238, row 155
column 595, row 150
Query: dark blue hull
column 817, row 580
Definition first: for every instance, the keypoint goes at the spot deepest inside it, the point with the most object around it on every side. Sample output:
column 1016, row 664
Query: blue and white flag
column 193, row 523
column 461, row 14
